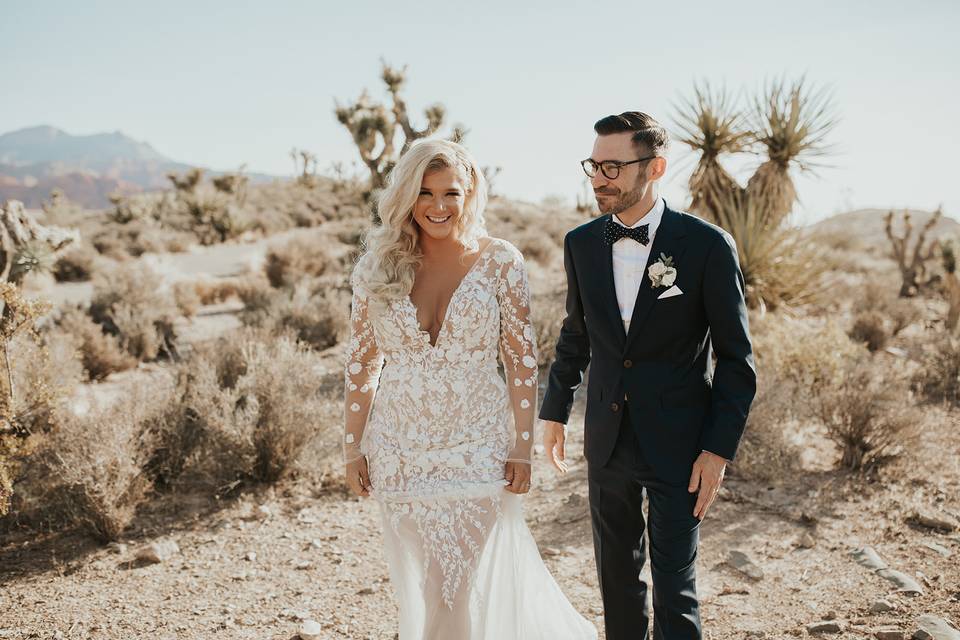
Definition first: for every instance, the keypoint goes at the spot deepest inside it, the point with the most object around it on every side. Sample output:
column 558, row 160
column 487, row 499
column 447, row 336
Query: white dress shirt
column 630, row 262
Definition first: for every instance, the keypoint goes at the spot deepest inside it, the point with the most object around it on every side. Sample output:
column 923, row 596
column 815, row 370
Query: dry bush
column 254, row 398
column 96, row 461
column 870, row 328
column 868, row 415
column 939, row 376
column 186, row 297
column 547, row 311
column 301, row 257
column 535, row 245
column 100, row 353
column 765, row 452
column 877, row 297
column 133, row 304
column 44, row 372
column 77, row 264
column 317, row 313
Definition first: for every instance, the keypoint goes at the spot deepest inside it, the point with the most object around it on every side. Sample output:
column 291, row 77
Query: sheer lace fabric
column 437, row 423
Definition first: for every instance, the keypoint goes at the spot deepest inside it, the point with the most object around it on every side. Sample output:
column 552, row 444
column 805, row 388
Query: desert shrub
column 535, row 245
column 286, row 264
column 100, row 353
column 45, row 370
column 253, row 397
column 939, row 375
column 880, row 298
column 96, row 461
column 867, row 415
column 76, row 264
column 133, row 304
column 315, row 312
column 186, row 297
column 870, row 328
column 547, row 311
column 765, row 452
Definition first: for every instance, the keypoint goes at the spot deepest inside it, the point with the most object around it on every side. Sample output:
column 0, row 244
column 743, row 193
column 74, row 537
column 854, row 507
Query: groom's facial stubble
column 634, row 182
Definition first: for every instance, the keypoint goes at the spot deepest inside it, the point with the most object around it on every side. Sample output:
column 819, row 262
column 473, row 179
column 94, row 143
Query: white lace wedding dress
column 434, row 422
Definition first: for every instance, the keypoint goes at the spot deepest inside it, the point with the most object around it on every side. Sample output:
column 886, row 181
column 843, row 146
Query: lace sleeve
column 361, row 375
column 518, row 350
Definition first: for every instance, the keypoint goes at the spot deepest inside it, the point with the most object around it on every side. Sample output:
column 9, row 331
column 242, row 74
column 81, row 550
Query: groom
column 652, row 295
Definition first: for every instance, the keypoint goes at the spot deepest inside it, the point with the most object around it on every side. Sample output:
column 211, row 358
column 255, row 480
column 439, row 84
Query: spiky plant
column 779, row 266
column 711, row 124
column 792, row 122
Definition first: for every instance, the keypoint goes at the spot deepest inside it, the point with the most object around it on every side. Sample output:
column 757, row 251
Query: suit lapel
column 608, row 290
column 666, row 241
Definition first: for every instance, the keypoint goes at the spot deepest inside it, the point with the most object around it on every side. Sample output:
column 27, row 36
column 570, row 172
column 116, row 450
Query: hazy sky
column 219, row 84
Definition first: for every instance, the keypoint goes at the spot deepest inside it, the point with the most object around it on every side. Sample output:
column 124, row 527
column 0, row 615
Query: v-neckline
column 446, row 312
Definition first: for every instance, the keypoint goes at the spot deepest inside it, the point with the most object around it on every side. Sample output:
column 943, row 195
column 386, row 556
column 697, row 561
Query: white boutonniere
column 662, row 272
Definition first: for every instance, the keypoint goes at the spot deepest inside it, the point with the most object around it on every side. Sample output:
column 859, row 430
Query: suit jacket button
column 627, row 363
column 614, row 406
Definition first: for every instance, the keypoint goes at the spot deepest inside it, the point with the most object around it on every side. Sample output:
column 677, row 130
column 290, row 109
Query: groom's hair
column 646, row 130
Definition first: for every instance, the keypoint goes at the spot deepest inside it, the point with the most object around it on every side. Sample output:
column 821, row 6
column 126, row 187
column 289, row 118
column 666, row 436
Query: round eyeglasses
column 609, row 168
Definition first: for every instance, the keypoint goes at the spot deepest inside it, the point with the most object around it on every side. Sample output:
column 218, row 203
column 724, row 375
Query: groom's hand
column 706, row 477
column 554, row 438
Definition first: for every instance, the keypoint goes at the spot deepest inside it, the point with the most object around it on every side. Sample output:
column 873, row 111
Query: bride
column 432, row 430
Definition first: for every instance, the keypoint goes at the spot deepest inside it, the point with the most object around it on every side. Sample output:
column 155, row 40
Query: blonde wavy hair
column 392, row 253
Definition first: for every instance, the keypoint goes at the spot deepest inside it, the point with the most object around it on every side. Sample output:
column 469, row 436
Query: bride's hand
column 518, row 475
column 358, row 477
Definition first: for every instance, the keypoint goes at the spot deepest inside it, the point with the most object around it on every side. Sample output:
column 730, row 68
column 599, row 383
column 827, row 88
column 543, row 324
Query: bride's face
column 440, row 203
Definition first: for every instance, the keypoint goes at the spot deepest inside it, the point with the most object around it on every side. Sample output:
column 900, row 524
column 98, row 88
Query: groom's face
column 628, row 188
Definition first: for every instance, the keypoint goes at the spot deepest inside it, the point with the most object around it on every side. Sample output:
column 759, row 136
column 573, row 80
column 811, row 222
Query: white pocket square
column 669, row 293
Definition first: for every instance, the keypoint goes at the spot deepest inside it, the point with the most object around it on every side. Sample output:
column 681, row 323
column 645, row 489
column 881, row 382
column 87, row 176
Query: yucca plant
column 711, row 124
column 779, row 266
column 791, row 121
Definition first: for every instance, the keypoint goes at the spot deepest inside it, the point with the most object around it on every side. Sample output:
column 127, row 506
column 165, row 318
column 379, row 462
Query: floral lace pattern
column 434, row 421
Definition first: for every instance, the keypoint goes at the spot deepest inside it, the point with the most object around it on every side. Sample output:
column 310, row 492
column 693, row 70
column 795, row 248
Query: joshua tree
column 374, row 126
column 25, row 246
column 791, row 122
column 304, row 167
column 711, row 125
column 912, row 261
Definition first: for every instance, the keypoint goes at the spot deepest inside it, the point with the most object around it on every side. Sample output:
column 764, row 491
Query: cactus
column 25, row 246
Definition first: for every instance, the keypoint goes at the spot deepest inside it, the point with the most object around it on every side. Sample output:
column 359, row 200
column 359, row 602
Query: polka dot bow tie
column 613, row 232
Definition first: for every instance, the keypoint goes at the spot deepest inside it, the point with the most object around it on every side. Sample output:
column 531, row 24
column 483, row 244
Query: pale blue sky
column 219, row 84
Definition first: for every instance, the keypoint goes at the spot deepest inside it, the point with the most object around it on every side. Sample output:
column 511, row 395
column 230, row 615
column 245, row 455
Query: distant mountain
column 867, row 225
column 86, row 168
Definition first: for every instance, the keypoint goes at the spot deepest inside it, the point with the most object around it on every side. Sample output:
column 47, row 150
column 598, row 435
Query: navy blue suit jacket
column 680, row 402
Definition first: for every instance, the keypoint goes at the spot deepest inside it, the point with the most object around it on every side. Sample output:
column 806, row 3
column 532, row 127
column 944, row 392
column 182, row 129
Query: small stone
column 250, row 556
column 881, row 606
column 158, row 551
column 831, row 615
column 869, row 558
column 366, row 591
column 933, row 546
column 551, row 551
column 905, row 584
column 825, row 627
column 303, row 565
column 310, row 630
column 889, row 634
column 935, row 628
column 932, row 521
column 117, row 547
column 741, row 562
column 806, row 541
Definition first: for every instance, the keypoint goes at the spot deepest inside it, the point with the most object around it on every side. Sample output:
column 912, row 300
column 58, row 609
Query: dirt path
column 255, row 567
